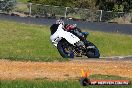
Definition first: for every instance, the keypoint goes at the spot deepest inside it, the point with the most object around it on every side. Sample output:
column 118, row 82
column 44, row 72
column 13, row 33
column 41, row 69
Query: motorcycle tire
column 62, row 51
column 92, row 52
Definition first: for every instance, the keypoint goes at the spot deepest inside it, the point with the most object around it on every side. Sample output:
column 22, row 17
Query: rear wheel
column 65, row 49
column 92, row 51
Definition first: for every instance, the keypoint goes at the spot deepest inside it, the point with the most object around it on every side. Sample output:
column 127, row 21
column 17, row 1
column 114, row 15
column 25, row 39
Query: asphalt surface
column 94, row 26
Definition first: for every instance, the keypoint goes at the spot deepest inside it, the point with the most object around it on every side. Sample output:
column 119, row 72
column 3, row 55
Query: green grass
column 20, row 41
column 21, row 8
column 111, row 44
column 25, row 1
column 43, row 83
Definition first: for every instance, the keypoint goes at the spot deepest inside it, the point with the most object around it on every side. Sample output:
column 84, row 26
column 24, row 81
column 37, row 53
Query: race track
column 94, row 26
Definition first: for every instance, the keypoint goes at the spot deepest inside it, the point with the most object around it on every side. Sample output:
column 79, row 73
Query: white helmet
column 60, row 21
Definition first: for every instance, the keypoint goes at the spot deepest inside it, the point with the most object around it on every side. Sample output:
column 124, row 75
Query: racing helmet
column 60, row 21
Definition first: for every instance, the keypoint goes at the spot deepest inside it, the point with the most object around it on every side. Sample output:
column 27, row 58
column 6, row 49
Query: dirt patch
column 62, row 70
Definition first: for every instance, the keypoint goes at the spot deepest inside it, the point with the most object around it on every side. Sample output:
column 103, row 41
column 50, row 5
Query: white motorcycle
column 69, row 45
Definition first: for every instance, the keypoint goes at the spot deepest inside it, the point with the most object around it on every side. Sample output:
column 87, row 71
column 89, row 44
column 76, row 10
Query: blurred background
column 113, row 11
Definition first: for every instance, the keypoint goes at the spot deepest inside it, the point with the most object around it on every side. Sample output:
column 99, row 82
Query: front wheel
column 64, row 49
column 92, row 51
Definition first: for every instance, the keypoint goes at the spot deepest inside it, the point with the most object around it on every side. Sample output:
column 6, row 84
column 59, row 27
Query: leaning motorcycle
column 70, row 46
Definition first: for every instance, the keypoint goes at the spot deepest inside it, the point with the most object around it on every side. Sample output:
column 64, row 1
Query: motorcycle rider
column 82, row 47
column 70, row 28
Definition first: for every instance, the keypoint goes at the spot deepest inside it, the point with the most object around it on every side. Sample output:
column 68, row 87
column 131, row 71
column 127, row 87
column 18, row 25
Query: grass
column 21, row 8
column 111, row 44
column 20, row 41
column 25, row 1
column 43, row 83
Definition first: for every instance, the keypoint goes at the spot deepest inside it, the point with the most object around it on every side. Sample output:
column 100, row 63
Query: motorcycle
column 69, row 45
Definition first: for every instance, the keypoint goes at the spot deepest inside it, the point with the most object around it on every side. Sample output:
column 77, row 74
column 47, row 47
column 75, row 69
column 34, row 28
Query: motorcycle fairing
column 60, row 33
